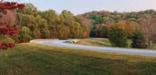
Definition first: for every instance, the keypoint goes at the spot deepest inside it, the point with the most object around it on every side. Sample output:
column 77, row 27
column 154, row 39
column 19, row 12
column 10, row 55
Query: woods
column 48, row 24
column 131, row 22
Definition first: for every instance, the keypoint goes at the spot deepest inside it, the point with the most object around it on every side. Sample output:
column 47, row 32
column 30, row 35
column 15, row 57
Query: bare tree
column 148, row 25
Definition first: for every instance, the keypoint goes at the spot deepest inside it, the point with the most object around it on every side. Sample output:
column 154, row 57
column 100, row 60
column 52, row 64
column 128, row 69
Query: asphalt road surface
column 63, row 43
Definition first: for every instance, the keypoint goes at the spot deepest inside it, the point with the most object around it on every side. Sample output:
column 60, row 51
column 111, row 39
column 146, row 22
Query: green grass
column 33, row 59
column 154, row 47
column 104, row 42
column 95, row 42
column 98, row 42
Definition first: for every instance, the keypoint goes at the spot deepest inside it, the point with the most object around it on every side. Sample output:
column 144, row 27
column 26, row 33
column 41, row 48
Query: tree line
column 37, row 24
column 139, row 26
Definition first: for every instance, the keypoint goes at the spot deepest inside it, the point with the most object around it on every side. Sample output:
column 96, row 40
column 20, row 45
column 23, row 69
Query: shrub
column 138, row 40
column 118, row 37
column 6, row 42
column 25, row 35
column 6, row 32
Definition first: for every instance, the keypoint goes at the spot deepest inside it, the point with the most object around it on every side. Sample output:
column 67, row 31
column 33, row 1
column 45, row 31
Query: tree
column 25, row 34
column 36, row 33
column 148, row 24
column 75, row 28
column 53, row 21
column 118, row 37
column 8, row 28
column 138, row 40
column 102, row 31
column 64, row 32
column 129, row 26
column 43, row 26
column 85, row 26
column 98, row 19
column 29, row 9
column 45, row 33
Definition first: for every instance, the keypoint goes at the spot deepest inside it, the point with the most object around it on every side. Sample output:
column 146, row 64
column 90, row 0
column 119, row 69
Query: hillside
column 33, row 59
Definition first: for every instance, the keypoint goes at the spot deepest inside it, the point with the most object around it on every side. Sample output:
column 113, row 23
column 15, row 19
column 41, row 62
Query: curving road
column 62, row 43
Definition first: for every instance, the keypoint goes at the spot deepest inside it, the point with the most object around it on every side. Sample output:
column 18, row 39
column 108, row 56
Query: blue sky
column 81, row 6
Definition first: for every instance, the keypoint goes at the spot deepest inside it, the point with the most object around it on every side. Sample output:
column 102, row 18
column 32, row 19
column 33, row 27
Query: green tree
column 25, row 34
column 138, row 40
column 43, row 25
column 36, row 33
column 102, row 31
column 53, row 21
column 75, row 28
column 64, row 32
column 118, row 37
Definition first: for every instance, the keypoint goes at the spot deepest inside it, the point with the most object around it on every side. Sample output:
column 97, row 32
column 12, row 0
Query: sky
column 81, row 6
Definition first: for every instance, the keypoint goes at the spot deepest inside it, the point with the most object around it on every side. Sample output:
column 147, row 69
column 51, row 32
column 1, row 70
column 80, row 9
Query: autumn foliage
column 7, row 32
column 11, row 5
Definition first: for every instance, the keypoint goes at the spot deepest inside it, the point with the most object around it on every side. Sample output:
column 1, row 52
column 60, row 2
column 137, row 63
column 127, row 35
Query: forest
column 116, row 26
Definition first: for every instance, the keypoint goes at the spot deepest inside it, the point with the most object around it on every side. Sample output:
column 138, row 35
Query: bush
column 6, row 32
column 24, row 35
column 118, row 37
column 138, row 40
column 6, row 42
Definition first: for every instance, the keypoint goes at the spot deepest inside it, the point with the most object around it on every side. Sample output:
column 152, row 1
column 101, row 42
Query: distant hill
column 104, row 16
column 99, row 18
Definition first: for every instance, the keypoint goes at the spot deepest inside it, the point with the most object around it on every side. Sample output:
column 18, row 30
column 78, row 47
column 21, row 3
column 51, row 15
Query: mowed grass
column 95, row 42
column 98, row 42
column 104, row 42
column 33, row 59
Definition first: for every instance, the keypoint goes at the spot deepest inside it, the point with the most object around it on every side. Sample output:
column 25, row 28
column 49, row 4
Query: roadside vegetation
column 33, row 59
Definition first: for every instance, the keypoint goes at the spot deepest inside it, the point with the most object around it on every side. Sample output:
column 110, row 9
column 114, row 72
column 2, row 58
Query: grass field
column 95, row 42
column 104, row 42
column 33, row 59
column 98, row 42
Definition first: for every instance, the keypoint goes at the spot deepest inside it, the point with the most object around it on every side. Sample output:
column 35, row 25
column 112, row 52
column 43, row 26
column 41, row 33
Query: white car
column 73, row 41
